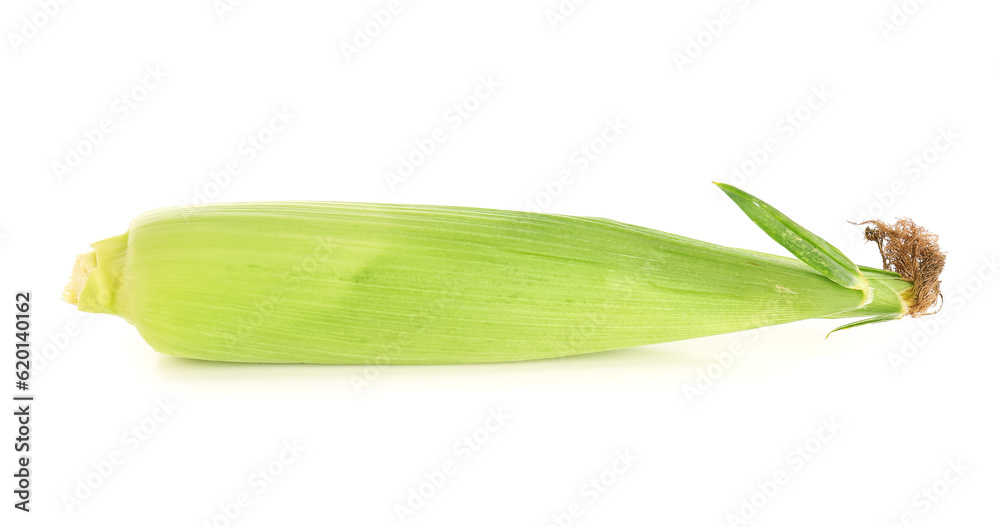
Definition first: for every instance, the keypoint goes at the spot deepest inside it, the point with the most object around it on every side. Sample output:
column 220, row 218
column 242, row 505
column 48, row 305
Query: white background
column 894, row 84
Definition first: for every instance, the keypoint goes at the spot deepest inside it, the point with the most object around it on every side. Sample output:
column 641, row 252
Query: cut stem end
column 78, row 278
column 95, row 281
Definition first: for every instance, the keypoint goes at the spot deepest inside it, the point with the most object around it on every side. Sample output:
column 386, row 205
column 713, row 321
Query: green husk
column 349, row 283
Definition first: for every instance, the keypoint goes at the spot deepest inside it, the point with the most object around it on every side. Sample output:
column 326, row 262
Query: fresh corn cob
column 347, row 283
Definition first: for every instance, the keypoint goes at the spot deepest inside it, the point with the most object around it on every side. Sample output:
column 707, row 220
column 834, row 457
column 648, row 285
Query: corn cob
column 348, row 283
